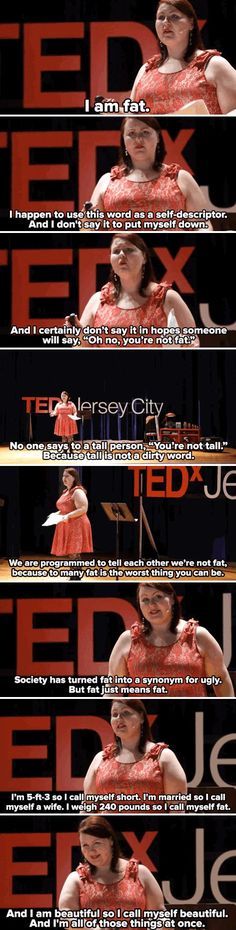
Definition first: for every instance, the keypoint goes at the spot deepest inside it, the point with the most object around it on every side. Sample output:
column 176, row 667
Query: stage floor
column 121, row 456
column 60, row 571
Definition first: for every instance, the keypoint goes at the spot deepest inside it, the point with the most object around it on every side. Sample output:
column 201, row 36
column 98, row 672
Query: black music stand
column 118, row 513
column 143, row 521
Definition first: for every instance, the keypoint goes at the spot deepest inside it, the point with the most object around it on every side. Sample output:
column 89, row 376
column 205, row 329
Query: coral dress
column 151, row 313
column 128, row 893
column 143, row 776
column 167, row 93
column 63, row 425
column 156, row 196
column 173, row 661
column 75, row 536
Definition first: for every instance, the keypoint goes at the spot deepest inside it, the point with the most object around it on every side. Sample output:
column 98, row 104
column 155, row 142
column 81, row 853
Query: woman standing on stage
column 73, row 535
column 64, row 410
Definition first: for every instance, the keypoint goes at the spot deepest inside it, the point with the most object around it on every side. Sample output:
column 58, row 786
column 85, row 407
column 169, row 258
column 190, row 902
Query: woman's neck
column 130, row 745
column 143, row 171
column 130, row 287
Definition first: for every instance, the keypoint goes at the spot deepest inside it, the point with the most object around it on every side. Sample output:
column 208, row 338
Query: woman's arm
column 87, row 316
column 173, row 774
column 69, row 896
column 90, row 777
column 154, row 894
column 81, row 505
column 183, row 315
column 99, row 191
column 214, row 662
column 136, row 82
column 220, row 73
column 90, row 310
column 54, row 412
column 117, row 661
column 195, row 199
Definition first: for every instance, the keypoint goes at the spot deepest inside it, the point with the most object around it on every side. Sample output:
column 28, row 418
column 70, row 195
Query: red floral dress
column 141, row 777
column 176, row 660
column 126, row 894
column 158, row 195
column 63, row 425
column 167, row 93
column 75, row 536
column 113, row 318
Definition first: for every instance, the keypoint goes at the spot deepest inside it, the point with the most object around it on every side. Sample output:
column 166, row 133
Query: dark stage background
column 124, row 54
column 198, row 386
column 201, row 268
column 93, row 620
column 207, row 525
column 81, row 153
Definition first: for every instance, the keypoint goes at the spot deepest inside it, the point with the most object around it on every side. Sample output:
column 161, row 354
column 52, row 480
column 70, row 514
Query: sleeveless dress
column 173, row 661
column 128, row 893
column 63, row 425
column 156, row 196
column 74, row 536
column 167, row 93
column 151, row 313
column 143, row 776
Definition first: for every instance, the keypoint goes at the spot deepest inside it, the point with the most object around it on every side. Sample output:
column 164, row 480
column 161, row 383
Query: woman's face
column 156, row 606
column 140, row 141
column 67, row 479
column 64, row 397
column 125, row 721
column 172, row 26
column 97, row 850
column 125, row 257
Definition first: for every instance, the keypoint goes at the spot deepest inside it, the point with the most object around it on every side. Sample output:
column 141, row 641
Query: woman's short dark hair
column 140, row 709
column 99, row 826
column 149, row 274
column 196, row 40
column 67, row 394
column 125, row 160
column 169, row 590
column 75, row 475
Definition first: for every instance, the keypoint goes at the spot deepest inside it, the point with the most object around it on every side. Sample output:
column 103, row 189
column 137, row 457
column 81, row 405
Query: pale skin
column 98, row 851
column 173, row 29
column 128, row 262
column 141, row 141
column 156, row 607
column 126, row 724
column 79, row 499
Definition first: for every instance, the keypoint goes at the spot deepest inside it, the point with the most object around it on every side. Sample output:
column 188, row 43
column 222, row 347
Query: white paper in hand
column 53, row 519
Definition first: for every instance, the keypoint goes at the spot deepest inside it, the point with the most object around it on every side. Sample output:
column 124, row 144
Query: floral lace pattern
column 128, row 892
column 155, row 196
column 127, row 778
column 63, row 425
column 176, row 660
column 151, row 313
column 74, row 536
column 167, row 93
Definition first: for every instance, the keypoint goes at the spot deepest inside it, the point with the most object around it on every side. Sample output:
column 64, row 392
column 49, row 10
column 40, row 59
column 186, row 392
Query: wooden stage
column 58, row 571
column 146, row 455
